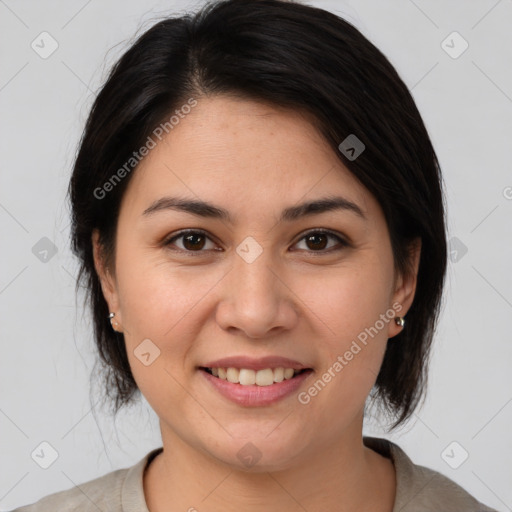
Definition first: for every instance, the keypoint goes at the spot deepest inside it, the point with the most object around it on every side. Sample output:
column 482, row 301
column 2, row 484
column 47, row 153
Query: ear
column 107, row 279
column 405, row 286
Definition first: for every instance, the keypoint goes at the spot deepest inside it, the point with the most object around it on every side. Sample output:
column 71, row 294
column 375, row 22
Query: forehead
column 233, row 151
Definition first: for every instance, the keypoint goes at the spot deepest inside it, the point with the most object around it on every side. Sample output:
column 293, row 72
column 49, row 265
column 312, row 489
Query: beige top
column 418, row 489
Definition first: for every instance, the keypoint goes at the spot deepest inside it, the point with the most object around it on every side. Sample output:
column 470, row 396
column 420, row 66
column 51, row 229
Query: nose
column 256, row 300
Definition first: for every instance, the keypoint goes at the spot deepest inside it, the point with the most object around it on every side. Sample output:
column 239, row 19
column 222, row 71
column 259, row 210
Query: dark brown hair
column 294, row 56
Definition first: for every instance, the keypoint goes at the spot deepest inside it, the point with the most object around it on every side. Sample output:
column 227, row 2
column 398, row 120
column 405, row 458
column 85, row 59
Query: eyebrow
column 208, row 210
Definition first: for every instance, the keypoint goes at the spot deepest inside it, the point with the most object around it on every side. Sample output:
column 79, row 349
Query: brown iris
column 193, row 241
column 318, row 240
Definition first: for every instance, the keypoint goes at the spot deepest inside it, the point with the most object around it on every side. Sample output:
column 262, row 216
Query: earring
column 112, row 321
column 400, row 320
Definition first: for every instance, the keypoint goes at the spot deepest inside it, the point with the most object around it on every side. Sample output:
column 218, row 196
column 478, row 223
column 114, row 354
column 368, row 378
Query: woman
column 258, row 212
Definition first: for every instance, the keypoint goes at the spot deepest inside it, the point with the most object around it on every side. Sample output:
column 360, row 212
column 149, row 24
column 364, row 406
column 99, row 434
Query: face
column 267, row 279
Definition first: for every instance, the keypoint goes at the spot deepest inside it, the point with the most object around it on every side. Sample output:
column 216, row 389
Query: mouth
column 250, row 377
column 248, row 387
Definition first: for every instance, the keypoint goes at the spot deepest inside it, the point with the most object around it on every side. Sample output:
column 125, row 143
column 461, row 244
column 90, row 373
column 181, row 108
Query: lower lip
column 253, row 396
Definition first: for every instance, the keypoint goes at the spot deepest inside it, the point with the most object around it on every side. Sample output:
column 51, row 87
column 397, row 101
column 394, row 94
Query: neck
column 347, row 476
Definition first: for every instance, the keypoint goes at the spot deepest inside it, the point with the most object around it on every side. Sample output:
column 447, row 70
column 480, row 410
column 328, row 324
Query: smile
column 249, row 377
column 252, row 388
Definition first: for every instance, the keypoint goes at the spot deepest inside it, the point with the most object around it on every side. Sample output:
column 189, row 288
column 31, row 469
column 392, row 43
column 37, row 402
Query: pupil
column 190, row 241
column 313, row 238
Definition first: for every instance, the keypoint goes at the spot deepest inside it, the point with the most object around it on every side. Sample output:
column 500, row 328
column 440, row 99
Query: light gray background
column 47, row 352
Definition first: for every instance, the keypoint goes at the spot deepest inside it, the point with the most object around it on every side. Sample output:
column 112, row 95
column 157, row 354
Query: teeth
column 264, row 377
column 247, row 377
column 232, row 375
column 288, row 373
column 278, row 374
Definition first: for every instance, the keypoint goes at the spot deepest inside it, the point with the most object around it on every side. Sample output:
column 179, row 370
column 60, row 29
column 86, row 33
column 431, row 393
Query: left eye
column 318, row 240
column 196, row 241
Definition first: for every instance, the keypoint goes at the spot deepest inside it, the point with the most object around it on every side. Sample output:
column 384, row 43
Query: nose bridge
column 254, row 281
column 255, row 302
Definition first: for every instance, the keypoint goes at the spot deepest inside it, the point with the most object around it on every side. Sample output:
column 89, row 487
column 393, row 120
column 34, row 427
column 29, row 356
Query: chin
column 259, row 453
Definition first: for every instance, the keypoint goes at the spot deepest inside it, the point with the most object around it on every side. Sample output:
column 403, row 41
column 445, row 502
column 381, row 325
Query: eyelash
column 343, row 243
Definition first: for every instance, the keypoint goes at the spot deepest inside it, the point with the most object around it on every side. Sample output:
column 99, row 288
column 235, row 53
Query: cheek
column 351, row 305
column 164, row 303
column 349, row 299
column 159, row 328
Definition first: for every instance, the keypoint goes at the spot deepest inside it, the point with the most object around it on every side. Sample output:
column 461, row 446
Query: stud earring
column 400, row 320
column 113, row 322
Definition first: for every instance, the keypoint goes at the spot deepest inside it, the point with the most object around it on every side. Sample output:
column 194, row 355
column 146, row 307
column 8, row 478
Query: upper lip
column 255, row 363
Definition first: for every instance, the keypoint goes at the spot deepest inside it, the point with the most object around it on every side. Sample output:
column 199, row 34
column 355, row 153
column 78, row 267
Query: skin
column 294, row 300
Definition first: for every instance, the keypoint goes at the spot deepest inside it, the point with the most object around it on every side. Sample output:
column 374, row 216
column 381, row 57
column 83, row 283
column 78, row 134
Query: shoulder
column 420, row 489
column 103, row 493
column 111, row 492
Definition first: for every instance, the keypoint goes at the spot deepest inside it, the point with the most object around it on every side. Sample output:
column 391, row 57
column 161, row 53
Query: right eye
column 192, row 240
